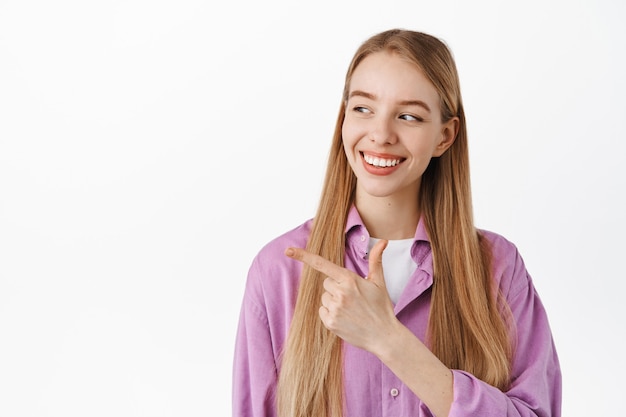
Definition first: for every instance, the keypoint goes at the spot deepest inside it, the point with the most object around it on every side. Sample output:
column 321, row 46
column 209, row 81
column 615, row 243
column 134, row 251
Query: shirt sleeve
column 535, row 390
column 254, row 366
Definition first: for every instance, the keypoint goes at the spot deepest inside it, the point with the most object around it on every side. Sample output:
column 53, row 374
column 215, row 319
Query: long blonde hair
column 472, row 333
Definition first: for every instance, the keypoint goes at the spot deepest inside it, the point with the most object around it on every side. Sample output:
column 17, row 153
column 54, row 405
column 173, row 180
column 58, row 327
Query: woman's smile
column 381, row 164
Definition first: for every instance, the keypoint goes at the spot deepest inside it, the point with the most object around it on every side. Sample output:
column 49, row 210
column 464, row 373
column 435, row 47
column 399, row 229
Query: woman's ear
column 449, row 130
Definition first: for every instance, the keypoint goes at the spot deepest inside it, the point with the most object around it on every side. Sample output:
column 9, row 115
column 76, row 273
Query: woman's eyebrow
column 371, row 96
column 415, row 103
column 362, row 94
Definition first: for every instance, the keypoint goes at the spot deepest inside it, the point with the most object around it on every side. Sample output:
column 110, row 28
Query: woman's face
column 392, row 127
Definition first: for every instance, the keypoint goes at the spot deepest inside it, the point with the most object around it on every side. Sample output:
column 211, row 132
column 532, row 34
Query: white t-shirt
column 398, row 265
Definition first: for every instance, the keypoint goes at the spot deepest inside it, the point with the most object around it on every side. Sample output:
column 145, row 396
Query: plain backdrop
column 148, row 149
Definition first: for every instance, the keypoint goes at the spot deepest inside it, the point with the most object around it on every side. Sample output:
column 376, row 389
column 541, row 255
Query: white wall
column 149, row 148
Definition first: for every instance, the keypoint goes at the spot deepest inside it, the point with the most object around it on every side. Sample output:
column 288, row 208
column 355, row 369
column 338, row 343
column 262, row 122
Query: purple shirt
column 371, row 389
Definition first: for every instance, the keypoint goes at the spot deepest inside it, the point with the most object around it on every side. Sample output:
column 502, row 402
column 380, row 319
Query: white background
column 148, row 149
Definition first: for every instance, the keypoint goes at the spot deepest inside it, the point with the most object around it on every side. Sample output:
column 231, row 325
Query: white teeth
column 380, row 162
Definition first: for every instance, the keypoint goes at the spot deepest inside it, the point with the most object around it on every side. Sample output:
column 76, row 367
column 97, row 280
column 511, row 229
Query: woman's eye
column 410, row 117
column 361, row 109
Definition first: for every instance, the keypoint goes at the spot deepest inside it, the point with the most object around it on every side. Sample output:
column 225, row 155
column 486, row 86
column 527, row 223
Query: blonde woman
column 390, row 302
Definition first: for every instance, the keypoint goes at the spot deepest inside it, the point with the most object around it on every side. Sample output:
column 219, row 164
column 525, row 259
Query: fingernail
column 290, row 252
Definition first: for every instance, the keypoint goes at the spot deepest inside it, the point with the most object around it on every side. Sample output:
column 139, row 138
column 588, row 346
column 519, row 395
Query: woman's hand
column 356, row 309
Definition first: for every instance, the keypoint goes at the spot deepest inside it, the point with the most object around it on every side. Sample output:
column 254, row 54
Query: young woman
column 390, row 302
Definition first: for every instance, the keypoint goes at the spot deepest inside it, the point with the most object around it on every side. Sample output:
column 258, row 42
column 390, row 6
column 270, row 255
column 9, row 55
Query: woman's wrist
column 393, row 343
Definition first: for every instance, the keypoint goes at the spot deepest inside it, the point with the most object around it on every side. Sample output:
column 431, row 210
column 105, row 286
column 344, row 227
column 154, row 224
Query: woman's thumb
column 376, row 262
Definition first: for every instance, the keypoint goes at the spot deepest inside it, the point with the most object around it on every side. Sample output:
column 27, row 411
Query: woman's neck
column 390, row 218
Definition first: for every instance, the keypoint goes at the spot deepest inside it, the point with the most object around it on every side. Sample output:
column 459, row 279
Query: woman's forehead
column 384, row 74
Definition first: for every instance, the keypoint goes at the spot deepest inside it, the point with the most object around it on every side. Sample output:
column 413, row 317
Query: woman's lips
column 381, row 164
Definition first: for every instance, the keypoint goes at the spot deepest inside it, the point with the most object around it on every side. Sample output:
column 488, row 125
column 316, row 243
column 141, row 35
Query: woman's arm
column 254, row 367
column 420, row 370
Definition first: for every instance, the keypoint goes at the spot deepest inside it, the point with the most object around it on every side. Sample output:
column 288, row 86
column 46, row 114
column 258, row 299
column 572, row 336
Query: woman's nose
column 382, row 132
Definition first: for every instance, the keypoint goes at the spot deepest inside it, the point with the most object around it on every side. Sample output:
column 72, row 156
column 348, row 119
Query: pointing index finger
column 315, row 261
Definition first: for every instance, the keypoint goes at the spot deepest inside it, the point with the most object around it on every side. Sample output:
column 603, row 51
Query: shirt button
column 362, row 238
column 394, row 392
